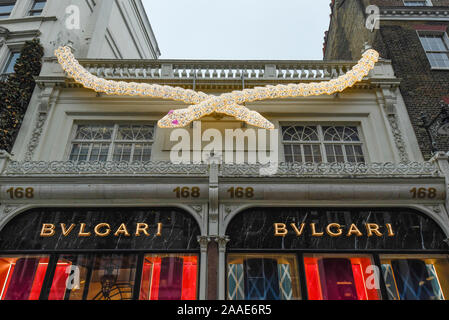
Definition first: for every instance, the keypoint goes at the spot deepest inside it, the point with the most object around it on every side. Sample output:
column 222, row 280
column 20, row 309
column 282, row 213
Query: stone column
column 222, row 242
column 204, row 244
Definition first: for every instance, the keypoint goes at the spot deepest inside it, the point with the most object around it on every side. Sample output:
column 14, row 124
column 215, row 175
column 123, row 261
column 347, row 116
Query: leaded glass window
column 315, row 144
column 112, row 142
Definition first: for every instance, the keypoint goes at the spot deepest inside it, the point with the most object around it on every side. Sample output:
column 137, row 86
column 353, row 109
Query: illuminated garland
column 202, row 104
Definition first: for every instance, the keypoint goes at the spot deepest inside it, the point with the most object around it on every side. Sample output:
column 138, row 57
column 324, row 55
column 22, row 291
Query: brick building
column 413, row 35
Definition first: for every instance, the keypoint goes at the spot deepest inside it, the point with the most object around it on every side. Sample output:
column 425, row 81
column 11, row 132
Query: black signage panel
column 336, row 229
column 101, row 228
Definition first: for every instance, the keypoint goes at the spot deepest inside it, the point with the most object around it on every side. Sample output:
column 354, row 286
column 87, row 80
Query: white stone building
column 352, row 189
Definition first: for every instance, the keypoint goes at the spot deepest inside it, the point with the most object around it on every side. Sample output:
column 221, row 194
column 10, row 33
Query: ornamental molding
column 427, row 13
column 7, row 212
column 388, row 169
column 161, row 168
column 47, row 98
column 197, row 208
column 388, row 99
column 165, row 168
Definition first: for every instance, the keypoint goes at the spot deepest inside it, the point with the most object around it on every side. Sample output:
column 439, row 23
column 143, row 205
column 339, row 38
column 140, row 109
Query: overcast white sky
column 239, row 29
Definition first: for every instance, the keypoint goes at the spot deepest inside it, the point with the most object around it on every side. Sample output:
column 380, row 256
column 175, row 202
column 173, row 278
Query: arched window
column 315, row 144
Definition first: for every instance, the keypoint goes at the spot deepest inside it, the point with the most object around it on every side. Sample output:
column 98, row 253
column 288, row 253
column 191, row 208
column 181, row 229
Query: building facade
column 94, row 207
column 413, row 35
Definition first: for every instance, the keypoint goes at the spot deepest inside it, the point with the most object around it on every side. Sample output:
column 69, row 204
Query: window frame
column 31, row 10
column 375, row 254
column 445, row 38
column 112, row 142
column 322, row 142
column 90, row 254
column 5, row 4
column 428, row 3
column 9, row 59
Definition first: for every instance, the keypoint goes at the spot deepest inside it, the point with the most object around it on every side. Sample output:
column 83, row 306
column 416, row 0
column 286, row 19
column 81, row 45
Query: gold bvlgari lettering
column 82, row 232
column 142, row 227
column 122, row 230
column 66, row 232
column 298, row 231
column 99, row 230
column 280, row 230
column 314, row 232
column 333, row 230
column 332, row 233
column 354, row 230
column 48, row 230
column 104, row 233
column 372, row 228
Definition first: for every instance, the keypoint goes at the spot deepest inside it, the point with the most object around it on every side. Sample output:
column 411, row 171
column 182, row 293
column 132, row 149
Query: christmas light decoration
column 202, row 104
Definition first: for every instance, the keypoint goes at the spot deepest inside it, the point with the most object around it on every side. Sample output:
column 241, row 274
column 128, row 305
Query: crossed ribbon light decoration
column 202, row 104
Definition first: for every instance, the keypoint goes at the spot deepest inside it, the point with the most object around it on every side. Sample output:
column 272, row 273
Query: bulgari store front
column 100, row 254
column 336, row 254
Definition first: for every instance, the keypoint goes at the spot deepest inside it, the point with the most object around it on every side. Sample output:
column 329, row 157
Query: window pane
column 263, row 277
column 70, row 278
column 169, row 277
column 142, row 152
column 9, row 68
column 76, row 148
column 339, row 277
column 438, row 60
column 288, row 153
column 122, row 152
column 38, row 5
column 415, row 3
column 300, row 133
column 135, row 132
column 341, row 134
column 6, row 9
column 416, row 277
column 99, row 152
column 22, row 277
column 112, row 277
column 94, row 132
column 37, row 8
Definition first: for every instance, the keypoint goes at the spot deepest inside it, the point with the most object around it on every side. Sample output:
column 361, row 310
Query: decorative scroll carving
column 105, row 168
column 44, row 106
column 399, row 141
column 387, row 98
column 387, row 169
column 222, row 243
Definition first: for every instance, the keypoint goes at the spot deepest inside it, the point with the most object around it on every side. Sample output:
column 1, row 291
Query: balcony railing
column 218, row 70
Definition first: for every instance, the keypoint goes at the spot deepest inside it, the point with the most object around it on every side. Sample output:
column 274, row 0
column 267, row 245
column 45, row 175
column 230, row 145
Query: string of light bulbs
column 202, row 104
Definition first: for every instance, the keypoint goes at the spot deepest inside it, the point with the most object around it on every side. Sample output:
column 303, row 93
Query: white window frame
column 428, row 2
column 321, row 140
column 445, row 40
column 8, row 60
column 112, row 142
column 12, row 10
column 30, row 8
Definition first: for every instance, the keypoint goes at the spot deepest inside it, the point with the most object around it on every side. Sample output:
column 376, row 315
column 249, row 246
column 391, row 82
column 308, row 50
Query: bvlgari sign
column 100, row 230
column 334, row 230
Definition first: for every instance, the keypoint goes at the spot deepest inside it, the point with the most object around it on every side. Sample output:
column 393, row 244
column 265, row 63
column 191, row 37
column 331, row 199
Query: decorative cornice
column 417, row 13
